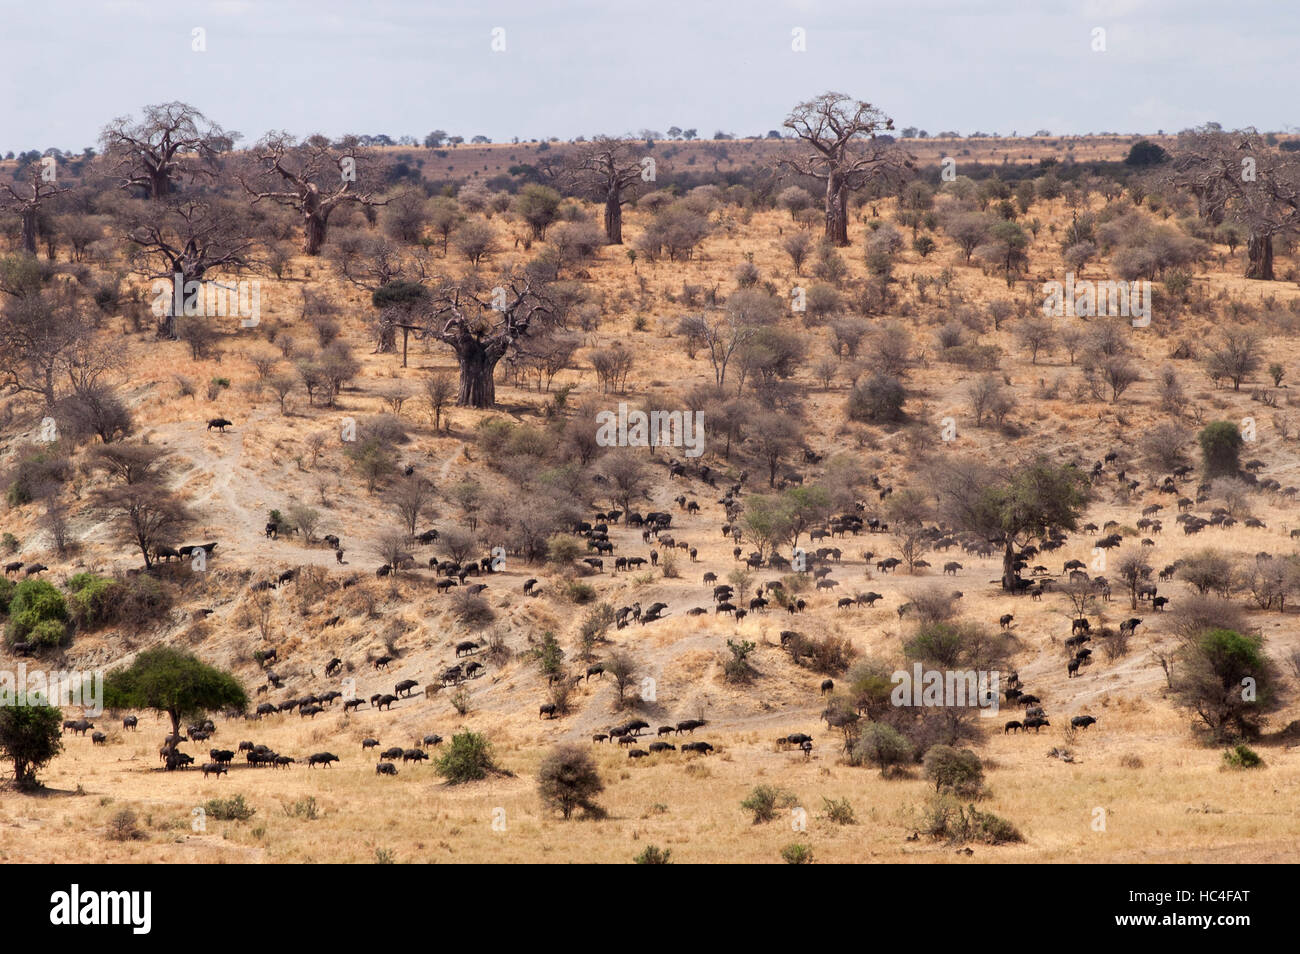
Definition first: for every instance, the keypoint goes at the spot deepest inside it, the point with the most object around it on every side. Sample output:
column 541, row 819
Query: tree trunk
column 29, row 229
column 477, row 388
column 1259, row 250
column 160, row 184
column 313, row 233
column 1009, row 567
column 837, row 215
column 614, row 219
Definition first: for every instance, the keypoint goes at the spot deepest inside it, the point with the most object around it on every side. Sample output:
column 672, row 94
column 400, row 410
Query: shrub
column 653, row 855
column 37, row 613
column 305, row 808
column 737, row 668
column 884, row 745
column 1242, row 757
column 122, row 826
column 954, row 770
column 93, row 600
column 764, row 800
column 840, row 812
column 471, row 609
column 549, row 655
column 945, row 817
column 580, row 593
column 797, row 854
column 879, row 398
column 37, row 468
column 229, row 809
column 467, row 759
column 1220, row 448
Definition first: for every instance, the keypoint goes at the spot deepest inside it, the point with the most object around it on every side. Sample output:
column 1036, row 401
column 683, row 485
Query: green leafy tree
column 1220, row 448
column 1008, row 509
column 175, row 682
column 539, row 206
column 1225, row 678
column 30, row 738
column 467, row 759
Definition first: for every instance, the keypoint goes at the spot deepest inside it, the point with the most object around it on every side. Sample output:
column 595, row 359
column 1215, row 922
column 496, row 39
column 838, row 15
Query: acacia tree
column 144, row 513
column 175, row 682
column 482, row 330
column 27, row 204
column 318, row 177
column 1236, row 176
column 1008, row 508
column 149, row 153
column 846, row 153
column 606, row 169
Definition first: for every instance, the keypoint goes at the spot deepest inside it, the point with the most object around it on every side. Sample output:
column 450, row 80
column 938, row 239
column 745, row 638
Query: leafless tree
column 190, row 238
column 846, row 154
column 410, row 499
column 1238, row 177
column 439, row 389
column 145, row 514
column 28, row 202
column 481, row 330
column 171, row 140
column 317, row 177
column 606, row 169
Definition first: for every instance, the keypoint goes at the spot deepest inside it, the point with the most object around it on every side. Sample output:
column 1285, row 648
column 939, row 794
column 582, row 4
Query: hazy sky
column 589, row 66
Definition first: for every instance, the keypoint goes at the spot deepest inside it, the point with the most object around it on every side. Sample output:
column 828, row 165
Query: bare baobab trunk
column 160, row 184
column 1259, row 252
column 313, row 232
column 477, row 365
column 29, row 229
column 614, row 218
column 837, row 212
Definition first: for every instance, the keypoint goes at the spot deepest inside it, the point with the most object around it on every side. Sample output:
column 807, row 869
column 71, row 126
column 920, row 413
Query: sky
column 585, row 67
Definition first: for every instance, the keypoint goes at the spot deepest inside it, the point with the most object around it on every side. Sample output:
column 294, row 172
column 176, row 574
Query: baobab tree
column 27, row 203
column 171, row 139
column 482, row 330
column 846, row 153
column 1236, row 176
column 190, row 239
column 607, row 170
column 318, row 176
